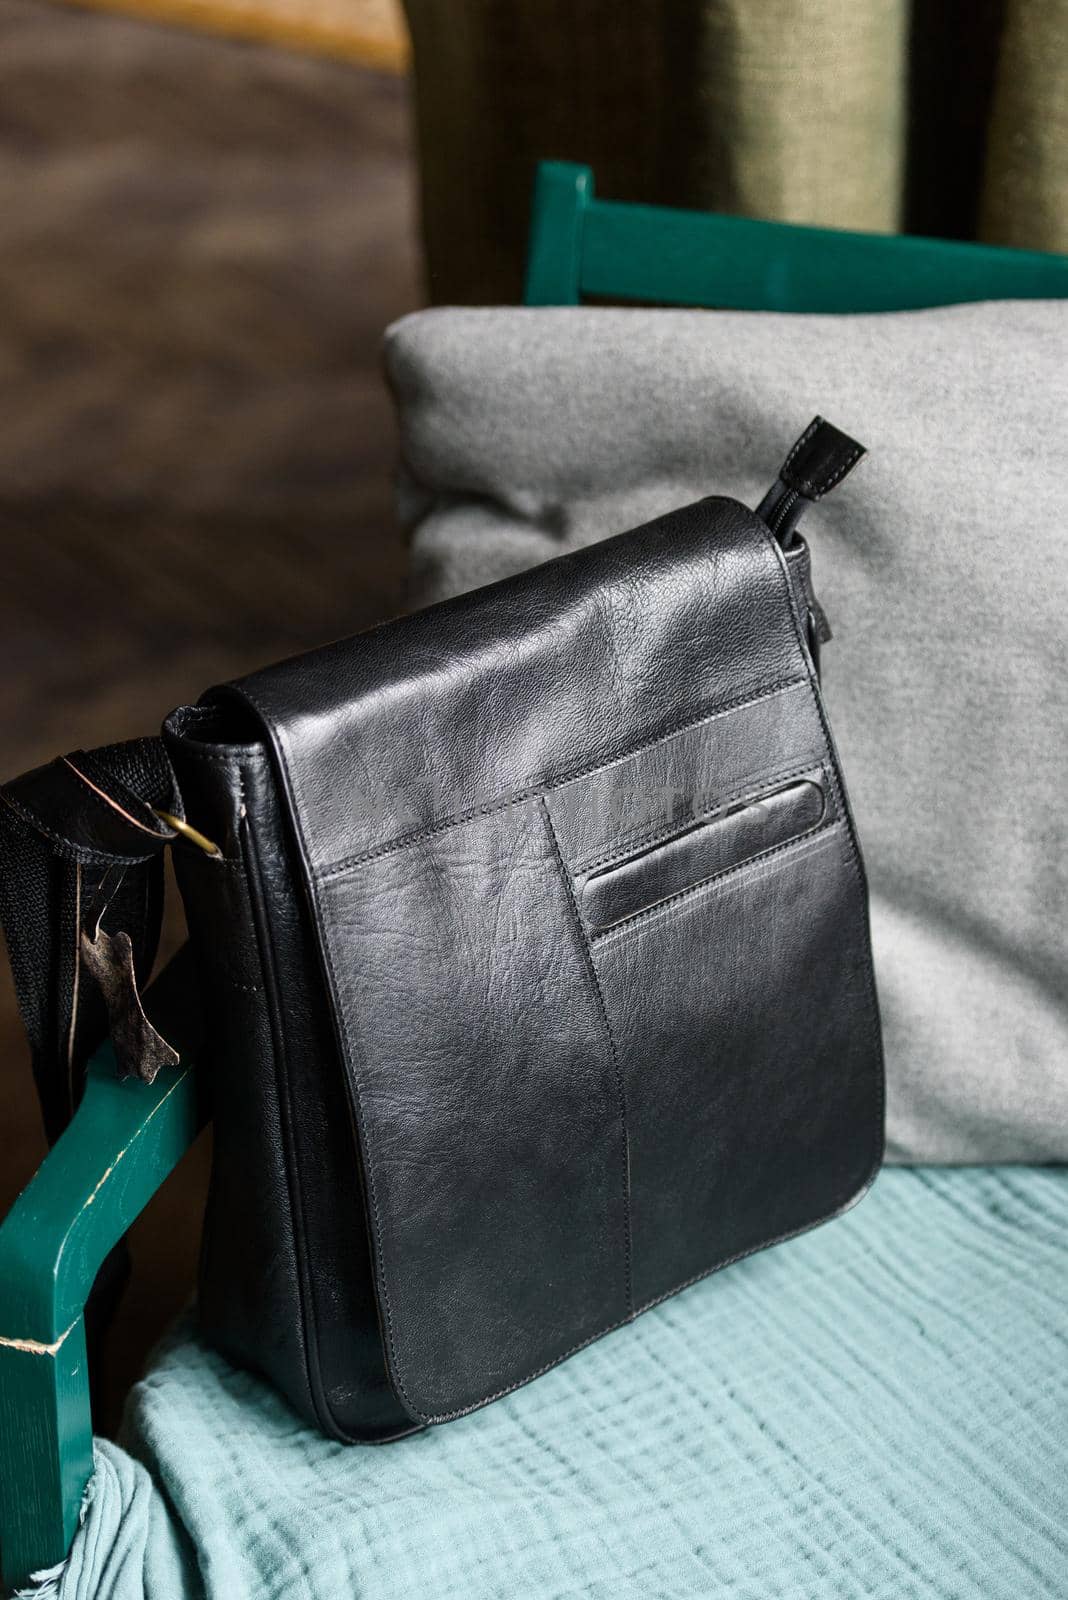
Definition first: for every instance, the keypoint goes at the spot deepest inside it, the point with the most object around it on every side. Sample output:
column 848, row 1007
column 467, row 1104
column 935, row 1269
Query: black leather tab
column 820, row 459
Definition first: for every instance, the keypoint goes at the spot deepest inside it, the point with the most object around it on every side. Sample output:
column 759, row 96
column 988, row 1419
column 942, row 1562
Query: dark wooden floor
column 200, row 244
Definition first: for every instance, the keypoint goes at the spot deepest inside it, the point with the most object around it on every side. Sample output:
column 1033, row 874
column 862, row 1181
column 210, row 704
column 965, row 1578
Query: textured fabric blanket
column 879, row 1408
column 940, row 562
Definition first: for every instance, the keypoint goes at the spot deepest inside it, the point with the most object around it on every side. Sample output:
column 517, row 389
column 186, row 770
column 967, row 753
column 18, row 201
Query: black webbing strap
column 81, row 858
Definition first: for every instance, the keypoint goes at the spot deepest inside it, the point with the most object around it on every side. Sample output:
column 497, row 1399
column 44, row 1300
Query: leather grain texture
column 549, row 1126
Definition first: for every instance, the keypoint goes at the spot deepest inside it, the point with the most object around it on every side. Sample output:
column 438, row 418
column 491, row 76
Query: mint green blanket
column 877, row 1409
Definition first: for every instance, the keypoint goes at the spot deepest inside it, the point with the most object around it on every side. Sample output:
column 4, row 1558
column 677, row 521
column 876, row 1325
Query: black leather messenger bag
column 532, row 936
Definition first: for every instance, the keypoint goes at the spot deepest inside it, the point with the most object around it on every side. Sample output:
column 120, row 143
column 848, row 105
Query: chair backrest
column 580, row 245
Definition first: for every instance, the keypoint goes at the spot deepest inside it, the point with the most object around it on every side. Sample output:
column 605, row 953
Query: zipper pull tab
column 819, row 460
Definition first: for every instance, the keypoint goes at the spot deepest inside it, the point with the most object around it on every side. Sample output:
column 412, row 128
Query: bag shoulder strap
column 81, row 899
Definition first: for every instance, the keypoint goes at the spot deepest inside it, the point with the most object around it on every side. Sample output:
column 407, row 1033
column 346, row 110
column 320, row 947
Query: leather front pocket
column 729, row 950
column 702, row 852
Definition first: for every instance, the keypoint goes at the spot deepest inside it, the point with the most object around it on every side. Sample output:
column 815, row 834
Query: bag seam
column 613, row 1051
column 252, row 880
column 347, row 863
column 843, row 1203
column 692, row 890
column 846, row 815
column 754, row 787
column 800, row 444
column 827, row 484
column 75, row 853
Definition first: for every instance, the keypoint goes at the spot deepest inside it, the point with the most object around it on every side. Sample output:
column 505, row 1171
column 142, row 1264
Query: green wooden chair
column 125, row 1137
column 580, row 245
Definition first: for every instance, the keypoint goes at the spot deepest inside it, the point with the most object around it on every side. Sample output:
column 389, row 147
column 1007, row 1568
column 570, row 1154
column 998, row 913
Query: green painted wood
column 122, row 1142
column 669, row 257
column 46, row 1440
column 554, row 260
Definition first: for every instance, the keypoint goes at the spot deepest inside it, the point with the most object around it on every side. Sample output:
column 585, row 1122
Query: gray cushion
column 941, row 563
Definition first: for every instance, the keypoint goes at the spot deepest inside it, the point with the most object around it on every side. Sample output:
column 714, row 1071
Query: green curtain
column 1025, row 197
column 947, row 117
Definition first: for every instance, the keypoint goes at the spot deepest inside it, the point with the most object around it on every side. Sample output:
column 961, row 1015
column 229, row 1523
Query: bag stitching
column 843, row 811
column 821, row 486
column 109, row 808
column 648, row 913
column 66, row 850
column 726, row 708
column 251, row 886
column 755, row 787
column 347, row 863
column 372, row 1190
column 842, row 1203
column 353, row 1078
column 621, row 1092
column 801, row 443
column 234, row 756
column 850, row 461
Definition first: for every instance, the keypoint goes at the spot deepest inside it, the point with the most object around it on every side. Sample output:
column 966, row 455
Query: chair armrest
column 122, row 1142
